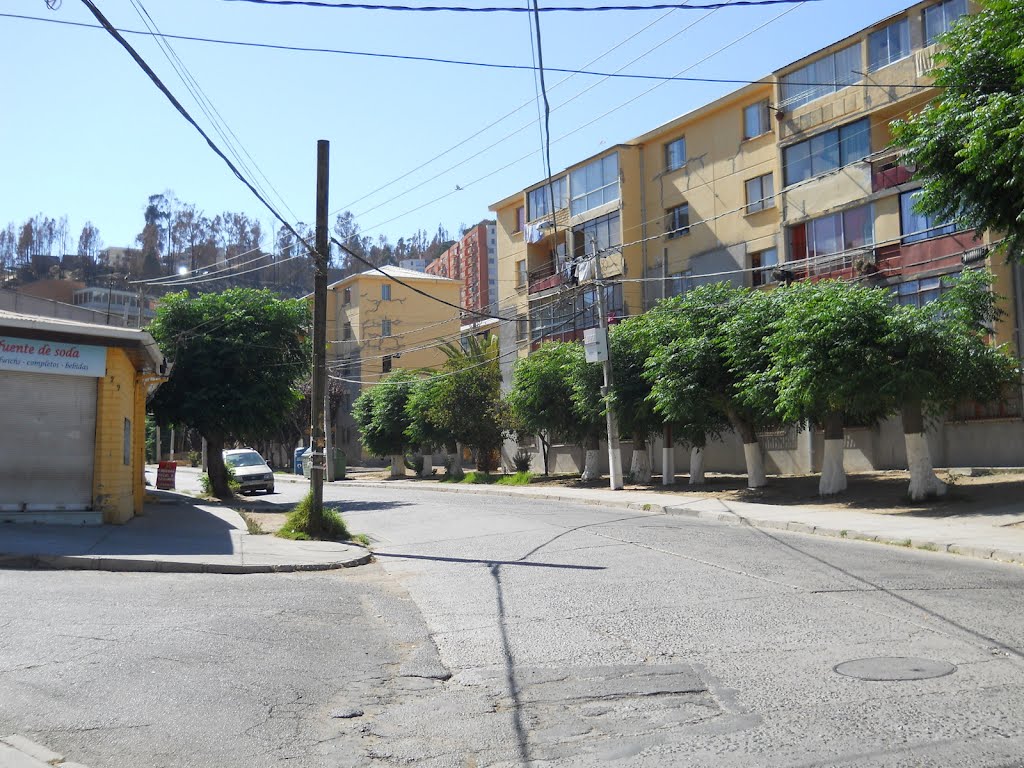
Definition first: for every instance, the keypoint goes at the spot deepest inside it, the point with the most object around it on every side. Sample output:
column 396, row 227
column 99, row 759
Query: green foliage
column 522, row 460
column 465, row 402
column 380, row 414
column 298, row 523
column 236, row 359
column 472, row 478
column 828, row 352
column 968, row 145
column 519, row 478
column 423, row 429
column 207, row 486
column 630, row 344
column 541, row 394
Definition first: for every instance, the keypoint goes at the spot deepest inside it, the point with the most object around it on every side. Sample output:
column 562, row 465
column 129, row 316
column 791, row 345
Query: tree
column 541, row 396
column 828, row 353
column 968, row 144
column 940, row 357
column 467, row 399
column 89, row 243
column 380, row 413
column 424, row 431
column 236, row 360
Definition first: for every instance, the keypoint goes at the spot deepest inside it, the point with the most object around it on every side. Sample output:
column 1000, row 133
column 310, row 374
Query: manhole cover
column 894, row 668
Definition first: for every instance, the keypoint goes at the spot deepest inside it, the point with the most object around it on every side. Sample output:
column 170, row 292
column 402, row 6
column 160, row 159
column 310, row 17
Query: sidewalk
column 176, row 534
column 991, row 539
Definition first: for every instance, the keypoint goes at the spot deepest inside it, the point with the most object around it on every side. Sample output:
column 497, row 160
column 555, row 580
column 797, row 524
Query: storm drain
column 893, row 668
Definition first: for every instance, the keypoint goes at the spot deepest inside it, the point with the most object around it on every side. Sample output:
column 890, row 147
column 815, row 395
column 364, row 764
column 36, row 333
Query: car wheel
column 270, row 489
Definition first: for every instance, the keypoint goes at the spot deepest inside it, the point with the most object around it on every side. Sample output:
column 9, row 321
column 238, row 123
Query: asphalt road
column 498, row 631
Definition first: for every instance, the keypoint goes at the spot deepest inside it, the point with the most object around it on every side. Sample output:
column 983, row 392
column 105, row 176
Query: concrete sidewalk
column 176, row 534
column 992, row 538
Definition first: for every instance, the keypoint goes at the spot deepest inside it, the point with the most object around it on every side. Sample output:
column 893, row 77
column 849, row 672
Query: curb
column 126, row 565
column 19, row 752
column 929, row 545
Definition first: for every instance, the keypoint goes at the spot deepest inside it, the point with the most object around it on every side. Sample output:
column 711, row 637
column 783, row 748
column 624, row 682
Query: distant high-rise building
column 473, row 262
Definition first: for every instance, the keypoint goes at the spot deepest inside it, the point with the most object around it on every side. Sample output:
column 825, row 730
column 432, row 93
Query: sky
column 85, row 133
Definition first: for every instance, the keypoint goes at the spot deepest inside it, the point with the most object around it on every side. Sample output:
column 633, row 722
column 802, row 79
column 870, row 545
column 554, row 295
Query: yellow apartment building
column 377, row 324
column 788, row 178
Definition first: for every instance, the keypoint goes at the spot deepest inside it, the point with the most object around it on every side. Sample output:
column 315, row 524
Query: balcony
column 543, row 278
column 888, row 172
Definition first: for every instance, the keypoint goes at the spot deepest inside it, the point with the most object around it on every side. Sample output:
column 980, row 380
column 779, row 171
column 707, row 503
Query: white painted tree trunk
column 668, row 465
column 592, row 465
column 397, row 466
column 696, row 466
column 428, row 465
column 833, row 475
column 455, row 463
column 756, row 477
column 923, row 482
column 640, row 467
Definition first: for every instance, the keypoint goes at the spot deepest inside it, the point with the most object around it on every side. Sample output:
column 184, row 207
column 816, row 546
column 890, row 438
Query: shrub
column 296, row 525
column 233, row 484
column 415, row 463
column 521, row 461
column 195, row 458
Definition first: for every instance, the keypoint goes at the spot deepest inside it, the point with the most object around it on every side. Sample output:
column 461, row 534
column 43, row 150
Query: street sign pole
column 614, row 453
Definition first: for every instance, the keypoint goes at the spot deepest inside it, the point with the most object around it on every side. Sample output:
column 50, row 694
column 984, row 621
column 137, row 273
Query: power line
column 185, row 114
column 513, row 9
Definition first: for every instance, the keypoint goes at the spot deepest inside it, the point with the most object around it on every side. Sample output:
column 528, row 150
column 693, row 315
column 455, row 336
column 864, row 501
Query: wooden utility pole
column 317, row 457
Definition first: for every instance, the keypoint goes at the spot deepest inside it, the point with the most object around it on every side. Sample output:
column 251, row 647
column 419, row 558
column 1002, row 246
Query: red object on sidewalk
column 165, row 475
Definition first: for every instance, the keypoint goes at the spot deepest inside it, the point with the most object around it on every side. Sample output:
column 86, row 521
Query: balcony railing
column 888, row 171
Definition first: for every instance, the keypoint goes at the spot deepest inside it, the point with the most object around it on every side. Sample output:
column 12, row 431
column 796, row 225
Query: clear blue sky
column 84, row 133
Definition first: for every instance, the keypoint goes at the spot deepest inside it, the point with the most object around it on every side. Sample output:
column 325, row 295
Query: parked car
column 251, row 471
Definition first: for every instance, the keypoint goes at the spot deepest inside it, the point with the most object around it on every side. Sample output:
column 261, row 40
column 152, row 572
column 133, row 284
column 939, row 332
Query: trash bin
column 339, row 464
column 307, row 461
column 297, row 464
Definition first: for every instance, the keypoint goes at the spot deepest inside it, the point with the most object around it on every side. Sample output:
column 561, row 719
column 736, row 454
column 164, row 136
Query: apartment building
column 377, row 324
column 472, row 261
column 789, row 178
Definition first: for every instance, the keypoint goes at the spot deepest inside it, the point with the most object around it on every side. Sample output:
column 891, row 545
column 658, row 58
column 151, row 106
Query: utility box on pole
column 595, row 344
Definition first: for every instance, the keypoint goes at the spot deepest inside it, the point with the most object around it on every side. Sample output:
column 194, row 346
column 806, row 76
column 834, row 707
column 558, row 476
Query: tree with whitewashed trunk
column 588, row 410
column 381, row 417
column 423, row 430
column 940, row 356
column 829, row 357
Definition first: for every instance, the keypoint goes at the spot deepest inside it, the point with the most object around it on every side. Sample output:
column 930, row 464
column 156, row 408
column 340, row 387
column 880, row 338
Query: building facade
column 74, row 429
column 471, row 261
column 377, row 324
column 789, row 178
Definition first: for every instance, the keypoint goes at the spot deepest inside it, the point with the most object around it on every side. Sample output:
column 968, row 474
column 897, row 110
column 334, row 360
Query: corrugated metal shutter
column 47, row 441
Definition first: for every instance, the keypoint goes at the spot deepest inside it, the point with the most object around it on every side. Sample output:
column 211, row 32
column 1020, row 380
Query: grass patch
column 252, row 525
column 296, row 525
column 844, row 533
column 472, row 478
column 519, row 478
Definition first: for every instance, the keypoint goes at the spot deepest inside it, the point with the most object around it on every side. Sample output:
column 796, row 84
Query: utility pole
column 614, row 454
column 316, row 473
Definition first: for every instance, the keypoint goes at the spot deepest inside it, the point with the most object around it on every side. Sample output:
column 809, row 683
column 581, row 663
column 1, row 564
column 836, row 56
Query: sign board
column 595, row 345
column 165, row 475
column 34, row 356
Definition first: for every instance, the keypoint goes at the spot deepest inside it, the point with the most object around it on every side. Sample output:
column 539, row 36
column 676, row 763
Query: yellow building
column 377, row 324
column 788, row 178
column 73, row 425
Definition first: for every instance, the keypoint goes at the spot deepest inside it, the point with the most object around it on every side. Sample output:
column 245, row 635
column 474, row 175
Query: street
column 504, row 631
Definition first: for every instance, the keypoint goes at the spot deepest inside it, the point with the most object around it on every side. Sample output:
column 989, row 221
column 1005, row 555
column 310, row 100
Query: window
column 763, row 263
column 888, row 45
column 604, row 230
column 539, row 200
column 835, row 233
column 940, row 17
column 385, row 292
column 127, row 445
column 586, row 305
column 822, row 77
column 346, row 332
column 520, row 219
column 760, row 193
column 679, row 283
column 756, row 119
column 522, row 330
column 826, row 152
column 385, row 365
column 594, row 184
column 521, row 273
column 346, row 297
column 675, row 154
column 677, row 221
column 915, row 226
column 385, row 327
column 917, row 293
